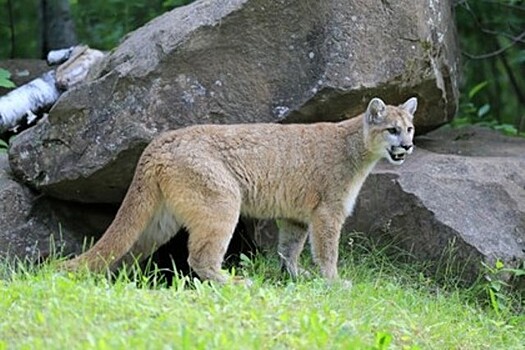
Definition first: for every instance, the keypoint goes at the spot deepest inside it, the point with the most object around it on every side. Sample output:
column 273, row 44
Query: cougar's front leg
column 326, row 227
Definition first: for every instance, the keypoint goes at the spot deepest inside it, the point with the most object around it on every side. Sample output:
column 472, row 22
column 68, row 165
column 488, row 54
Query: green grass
column 390, row 306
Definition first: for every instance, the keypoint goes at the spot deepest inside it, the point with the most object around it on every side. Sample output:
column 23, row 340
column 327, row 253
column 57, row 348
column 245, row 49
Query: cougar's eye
column 392, row 131
column 410, row 129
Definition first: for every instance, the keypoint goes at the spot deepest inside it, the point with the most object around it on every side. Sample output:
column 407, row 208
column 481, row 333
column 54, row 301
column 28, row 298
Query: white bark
column 27, row 100
column 59, row 56
column 43, row 92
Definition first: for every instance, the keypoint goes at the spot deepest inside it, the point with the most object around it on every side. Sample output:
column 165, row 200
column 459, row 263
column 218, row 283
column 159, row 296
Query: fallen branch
column 41, row 93
column 59, row 56
column 27, row 100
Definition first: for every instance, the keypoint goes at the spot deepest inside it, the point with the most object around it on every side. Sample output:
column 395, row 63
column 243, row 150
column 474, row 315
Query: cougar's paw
column 227, row 279
column 303, row 273
column 345, row 284
column 238, row 280
column 340, row 283
column 67, row 266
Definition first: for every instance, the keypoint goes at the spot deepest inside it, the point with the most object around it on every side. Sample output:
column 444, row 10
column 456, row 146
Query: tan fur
column 203, row 177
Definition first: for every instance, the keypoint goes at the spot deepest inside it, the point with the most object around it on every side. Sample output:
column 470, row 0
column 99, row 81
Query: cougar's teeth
column 396, row 157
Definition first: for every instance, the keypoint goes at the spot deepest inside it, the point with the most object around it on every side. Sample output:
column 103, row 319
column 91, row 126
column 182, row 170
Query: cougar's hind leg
column 209, row 237
column 207, row 245
column 292, row 236
column 206, row 200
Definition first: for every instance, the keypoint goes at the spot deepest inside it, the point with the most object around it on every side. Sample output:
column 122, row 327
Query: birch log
column 27, row 100
column 42, row 93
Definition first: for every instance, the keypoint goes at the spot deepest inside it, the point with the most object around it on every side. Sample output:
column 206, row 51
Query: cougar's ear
column 410, row 106
column 375, row 112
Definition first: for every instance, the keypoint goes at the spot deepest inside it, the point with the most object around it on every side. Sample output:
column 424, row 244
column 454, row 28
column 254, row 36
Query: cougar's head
column 389, row 129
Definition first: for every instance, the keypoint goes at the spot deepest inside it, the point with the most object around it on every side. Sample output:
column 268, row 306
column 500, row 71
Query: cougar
column 204, row 177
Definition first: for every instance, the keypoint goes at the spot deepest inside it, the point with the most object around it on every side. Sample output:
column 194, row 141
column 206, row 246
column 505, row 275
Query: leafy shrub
column 102, row 24
column 472, row 112
column 492, row 45
column 502, row 297
column 5, row 79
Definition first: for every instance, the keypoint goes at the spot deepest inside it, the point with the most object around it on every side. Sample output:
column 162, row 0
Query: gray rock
column 33, row 227
column 461, row 197
column 15, row 207
column 239, row 61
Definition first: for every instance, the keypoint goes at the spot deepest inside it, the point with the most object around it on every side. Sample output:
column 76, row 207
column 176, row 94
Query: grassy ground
column 389, row 306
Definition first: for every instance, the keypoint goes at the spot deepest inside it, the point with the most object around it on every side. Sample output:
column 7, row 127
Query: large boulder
column 239, row 61
column 459, row 199
column 32, row 226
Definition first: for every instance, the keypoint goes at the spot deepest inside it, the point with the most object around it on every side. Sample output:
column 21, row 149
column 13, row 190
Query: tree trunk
column 58, row 27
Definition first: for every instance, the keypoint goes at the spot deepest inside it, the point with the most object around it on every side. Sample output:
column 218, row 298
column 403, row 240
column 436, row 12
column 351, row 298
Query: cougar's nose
column 407, row 147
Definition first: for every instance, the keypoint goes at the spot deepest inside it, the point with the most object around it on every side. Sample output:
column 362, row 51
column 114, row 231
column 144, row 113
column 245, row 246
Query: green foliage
column 501, row 296
column 99, row 23
column 22, row 23
column 383, row 340
column 4, row 79
column 170, row 4
column 469, row 111
column 472, row 113
column 102, row 23
column 493, row 47
column 3, row 146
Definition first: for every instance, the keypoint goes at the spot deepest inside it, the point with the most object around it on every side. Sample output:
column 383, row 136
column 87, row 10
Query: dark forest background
column 491, row 35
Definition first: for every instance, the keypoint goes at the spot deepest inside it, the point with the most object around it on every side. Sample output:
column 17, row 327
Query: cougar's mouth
column 397, row 155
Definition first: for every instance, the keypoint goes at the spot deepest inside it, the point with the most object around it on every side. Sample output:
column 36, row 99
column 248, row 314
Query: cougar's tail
column 136, row 212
